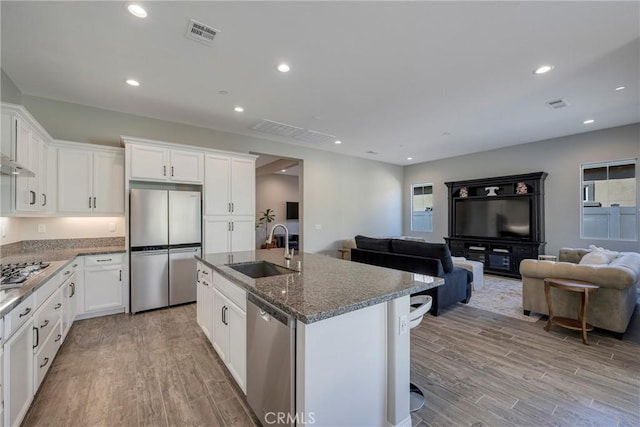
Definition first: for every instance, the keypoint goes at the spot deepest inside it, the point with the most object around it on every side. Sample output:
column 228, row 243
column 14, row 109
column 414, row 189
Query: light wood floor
column 476, row 369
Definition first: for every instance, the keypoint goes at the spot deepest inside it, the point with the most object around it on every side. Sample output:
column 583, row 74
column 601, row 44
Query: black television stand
column 498, row 257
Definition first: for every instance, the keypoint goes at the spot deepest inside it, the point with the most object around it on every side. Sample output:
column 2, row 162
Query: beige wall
column 18, row 229
column 343, row 196
column 560, row 157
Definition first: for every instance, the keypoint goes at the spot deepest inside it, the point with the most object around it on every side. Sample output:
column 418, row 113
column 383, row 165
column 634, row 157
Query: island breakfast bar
column 352, row 342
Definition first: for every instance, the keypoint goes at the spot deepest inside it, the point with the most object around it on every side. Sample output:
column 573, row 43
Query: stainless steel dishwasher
column 271, row 346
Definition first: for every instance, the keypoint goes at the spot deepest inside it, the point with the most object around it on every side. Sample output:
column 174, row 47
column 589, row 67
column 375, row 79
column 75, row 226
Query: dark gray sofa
column 433, row 259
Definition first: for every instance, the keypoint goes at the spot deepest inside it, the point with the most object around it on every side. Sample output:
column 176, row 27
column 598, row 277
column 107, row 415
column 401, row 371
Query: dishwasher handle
column 266, row 308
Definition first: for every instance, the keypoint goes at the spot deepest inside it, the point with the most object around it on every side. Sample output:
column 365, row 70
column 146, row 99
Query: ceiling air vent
column 200, row 32
column 315, row 137
column 558, row 103
column 275, row 128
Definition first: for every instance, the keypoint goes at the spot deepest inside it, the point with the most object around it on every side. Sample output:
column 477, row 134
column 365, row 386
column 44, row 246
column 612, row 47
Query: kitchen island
column 351, row 333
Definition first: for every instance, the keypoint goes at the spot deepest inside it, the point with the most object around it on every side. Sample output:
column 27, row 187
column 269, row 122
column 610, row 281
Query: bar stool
column 420, row 305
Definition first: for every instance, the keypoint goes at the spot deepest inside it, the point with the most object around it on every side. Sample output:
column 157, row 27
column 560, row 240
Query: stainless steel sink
column 260, row 269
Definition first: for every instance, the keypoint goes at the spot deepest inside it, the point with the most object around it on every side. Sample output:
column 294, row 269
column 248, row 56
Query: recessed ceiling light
column 283, row 170
column 620, row 88
column 446, row 133
column 543, row 69
column 137, row 10
column 409, row 158
column 588, row 122
column 338, row 142
column 132, row 82
column 223, row 92
column 284, row 68
column 238, row 109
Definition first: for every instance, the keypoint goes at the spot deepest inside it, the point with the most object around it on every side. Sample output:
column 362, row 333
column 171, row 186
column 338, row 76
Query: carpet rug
column 501, row 295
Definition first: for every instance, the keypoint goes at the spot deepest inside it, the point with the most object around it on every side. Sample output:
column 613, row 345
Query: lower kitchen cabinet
column 204, row 298
column 230, row 330
column 103, row 282
column 18, row 374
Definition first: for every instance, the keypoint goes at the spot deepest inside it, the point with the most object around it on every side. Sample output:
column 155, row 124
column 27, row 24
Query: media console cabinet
column 497, row 241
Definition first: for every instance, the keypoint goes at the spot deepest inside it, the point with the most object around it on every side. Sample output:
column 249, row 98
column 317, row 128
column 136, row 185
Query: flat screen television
column 292, row 210
column 493, row 218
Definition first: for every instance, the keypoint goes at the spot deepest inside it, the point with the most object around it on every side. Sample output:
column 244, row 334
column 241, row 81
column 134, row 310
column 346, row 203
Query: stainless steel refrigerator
column 165, row 231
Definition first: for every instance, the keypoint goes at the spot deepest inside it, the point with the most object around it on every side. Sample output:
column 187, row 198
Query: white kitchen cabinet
column 229, row 185
column 18, row 374
column 156, row 163
column 204, row 299
column 229, row 234
column 69, row 302
column 103, row 282
column 90, row 180
column 230, row 328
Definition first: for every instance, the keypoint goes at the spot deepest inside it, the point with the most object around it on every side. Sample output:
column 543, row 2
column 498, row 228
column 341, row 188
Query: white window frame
column 429, row 220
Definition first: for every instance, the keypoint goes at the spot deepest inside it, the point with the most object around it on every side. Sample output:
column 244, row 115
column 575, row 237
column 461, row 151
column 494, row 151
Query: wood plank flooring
column 476, row 369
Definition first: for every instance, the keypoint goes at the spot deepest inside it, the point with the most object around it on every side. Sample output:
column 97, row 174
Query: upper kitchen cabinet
column 26, row 175
column 158, row 163
column 230, row 185
column 90, row 179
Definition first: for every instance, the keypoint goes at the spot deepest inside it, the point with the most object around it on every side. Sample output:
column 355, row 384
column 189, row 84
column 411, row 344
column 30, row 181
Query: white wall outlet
column 112, row 227
column 404, row 325
column 42, row 228
column 318, row 226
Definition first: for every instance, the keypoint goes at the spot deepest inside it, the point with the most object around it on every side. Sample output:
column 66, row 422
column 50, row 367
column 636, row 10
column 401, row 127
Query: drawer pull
column 58, row 338
column 73, row 290
column 37, row 339
column 46, row 360
column 26, row 311
column 57, row 307
column 46, row 322
column 104, row 260
column 75, row 265
column 66, row 273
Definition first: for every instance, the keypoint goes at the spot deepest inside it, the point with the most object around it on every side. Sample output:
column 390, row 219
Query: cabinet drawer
column 46, row 317
column 523, row 250
column 44, row 357
column 232, row 291
column 18, row 316
column 46, row 290
column 100, row 260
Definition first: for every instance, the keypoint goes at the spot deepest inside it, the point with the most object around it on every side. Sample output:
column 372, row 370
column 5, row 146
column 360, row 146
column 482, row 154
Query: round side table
column 583, row 288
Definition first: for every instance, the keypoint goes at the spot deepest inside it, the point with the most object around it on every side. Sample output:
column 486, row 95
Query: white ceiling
column 390, row 77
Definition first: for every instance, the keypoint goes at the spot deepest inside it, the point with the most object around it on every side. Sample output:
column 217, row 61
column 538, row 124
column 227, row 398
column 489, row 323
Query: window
column 422, row 207
column 609, row 202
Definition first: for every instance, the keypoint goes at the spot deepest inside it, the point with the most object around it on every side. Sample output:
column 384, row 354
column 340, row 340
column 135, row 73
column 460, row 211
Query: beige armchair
column 610, row 307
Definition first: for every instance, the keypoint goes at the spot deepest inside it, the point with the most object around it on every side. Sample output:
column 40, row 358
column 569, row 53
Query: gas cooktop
column 16, row 275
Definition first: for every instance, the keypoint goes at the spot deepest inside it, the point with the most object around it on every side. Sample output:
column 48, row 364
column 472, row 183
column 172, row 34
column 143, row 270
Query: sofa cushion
column 438, row 251
column 594, row 258
column 373, row 244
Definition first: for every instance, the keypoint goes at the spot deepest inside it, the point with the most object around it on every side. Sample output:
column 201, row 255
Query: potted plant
column 267, row 217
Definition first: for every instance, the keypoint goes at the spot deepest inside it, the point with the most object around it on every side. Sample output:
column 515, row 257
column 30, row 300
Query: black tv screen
column 494, row 218
column 292, row 210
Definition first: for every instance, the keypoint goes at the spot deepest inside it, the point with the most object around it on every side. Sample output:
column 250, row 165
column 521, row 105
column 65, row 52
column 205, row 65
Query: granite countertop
column 325, row 287
column 59, row 259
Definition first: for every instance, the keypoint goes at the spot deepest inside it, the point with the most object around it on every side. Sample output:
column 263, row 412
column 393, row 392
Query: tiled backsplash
column 52, row 244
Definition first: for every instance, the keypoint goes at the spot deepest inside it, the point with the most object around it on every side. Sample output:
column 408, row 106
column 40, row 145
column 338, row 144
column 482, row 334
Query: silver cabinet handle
column 232, row 226
column 46, row 360
column 44, row 199
column 58, row 338
column 57, row 307
column 233, row 207
column 120, row 275
column 89, row 202
column 66, row 273
column 73, row 290
column 75, row 265
column 33, row 197
column 171, row 170
column 229, row 207
column 37, row 340
column 46, row 322
column 103, row 260
column 94, row 203
column 26, row 311
column 164, row 170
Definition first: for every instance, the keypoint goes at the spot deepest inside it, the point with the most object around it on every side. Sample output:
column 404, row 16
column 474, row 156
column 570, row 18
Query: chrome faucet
column 287, row 254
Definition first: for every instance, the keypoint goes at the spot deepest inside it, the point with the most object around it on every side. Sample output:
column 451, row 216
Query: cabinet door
column 243, row 234
column 103, row 288
column 42, row 173
column 217, row 173
column 204, row 307
column 243, row 186
column 220, row 328
column 108, row 182
column 149, row 163
column 74, row 180
column 237, row 356
column 18, row 374
column 216, row 234
column 186, row 166
column 26, row 198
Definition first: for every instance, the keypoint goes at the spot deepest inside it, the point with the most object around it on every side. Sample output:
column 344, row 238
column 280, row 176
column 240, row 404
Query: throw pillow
column 611, row 255
column 594, row 258
column 372, row 244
